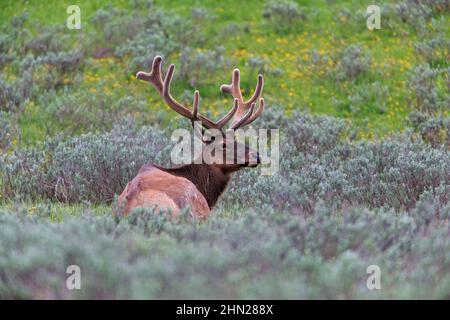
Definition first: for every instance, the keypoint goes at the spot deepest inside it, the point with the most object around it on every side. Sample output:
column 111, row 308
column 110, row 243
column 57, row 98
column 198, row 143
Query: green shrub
column 371, row 97
column 86, row 168
column 8, row 131
column 418, row 13
column 283, row 16
column 434, row 51
column 158, row 33
column 423, row 84
column 48, row 40
column 434, row 130
column 14, row 95
column 196, row 65
column 71, row 112
column 315, row 165
column 265, row 254
column 144, row 47
column 353, row 63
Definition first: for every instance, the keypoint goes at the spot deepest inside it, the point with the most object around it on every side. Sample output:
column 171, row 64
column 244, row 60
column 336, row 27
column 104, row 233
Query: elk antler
column 244, row 114
column 163, row 87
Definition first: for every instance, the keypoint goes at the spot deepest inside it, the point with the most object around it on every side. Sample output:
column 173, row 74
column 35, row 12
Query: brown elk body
column 197, row 186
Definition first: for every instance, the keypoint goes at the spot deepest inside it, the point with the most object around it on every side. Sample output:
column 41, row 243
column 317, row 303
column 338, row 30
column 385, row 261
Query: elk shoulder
column 154, row 188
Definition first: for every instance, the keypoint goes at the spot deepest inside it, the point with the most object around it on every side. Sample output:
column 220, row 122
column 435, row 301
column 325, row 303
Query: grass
column 309, row 87
column 58, row 212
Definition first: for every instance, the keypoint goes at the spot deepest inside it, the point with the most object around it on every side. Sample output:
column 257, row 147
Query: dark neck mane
column 209, row 180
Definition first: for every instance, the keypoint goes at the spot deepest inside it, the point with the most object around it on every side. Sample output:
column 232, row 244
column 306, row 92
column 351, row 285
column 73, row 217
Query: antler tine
column 241, row 122
column 235, row 90
column 258, row 90
column 154, row 77
column 229, row 115
column 195, row 106
column 178, row 107
column 257, row 113
column 163, row 88
column 209, row 124
column 235, row 87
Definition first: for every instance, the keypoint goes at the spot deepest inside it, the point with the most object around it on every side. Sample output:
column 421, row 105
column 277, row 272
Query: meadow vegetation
column 364, row 175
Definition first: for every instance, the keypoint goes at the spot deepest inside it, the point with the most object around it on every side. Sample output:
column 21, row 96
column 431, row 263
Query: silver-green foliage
column 318, row 166
column 317, row 163
column 86, row 168
column 354, row 61
column 418, row 13
column 262, row 253
column 283, row 15
column 423, row 84
column 7, row 130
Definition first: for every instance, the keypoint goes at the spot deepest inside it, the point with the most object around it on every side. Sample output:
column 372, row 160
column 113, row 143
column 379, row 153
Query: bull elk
column 197, row 186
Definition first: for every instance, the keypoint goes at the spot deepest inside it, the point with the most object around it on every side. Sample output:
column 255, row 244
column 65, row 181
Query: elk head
column 235, row 154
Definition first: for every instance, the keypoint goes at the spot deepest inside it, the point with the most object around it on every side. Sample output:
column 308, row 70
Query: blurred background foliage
column 318, row 56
